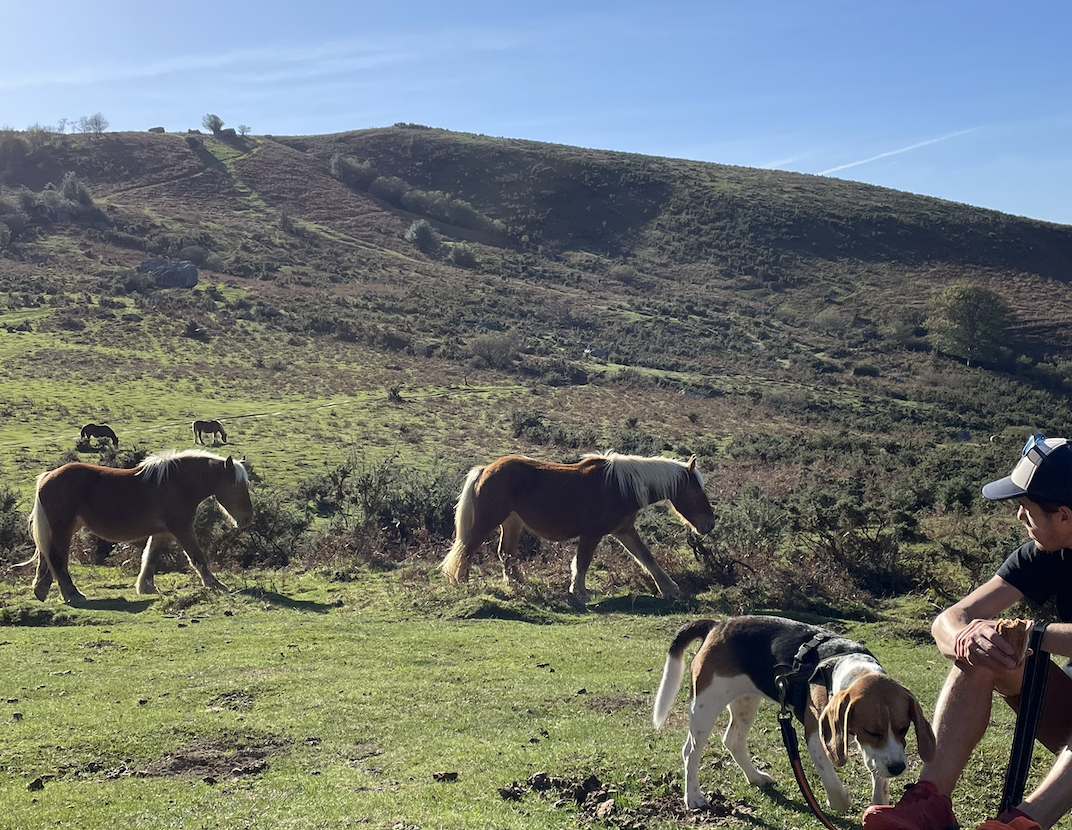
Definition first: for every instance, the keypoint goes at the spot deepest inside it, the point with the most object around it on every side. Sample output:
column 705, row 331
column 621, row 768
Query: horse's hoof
column 76, row 599
column 147, row 588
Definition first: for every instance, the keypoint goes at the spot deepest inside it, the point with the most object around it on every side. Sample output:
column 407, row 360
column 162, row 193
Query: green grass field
column 386, row 701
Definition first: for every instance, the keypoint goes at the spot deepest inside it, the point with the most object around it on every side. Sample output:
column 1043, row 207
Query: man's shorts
column 1055, row 722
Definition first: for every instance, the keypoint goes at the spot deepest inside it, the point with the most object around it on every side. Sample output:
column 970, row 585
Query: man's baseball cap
column 1043, row 473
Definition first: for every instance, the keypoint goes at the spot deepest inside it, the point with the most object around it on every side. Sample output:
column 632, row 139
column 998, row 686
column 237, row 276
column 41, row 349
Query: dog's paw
column 839, row 800
column 759, row 779
column 695, row 801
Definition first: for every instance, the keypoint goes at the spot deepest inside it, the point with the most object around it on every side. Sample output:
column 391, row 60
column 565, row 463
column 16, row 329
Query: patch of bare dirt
column 597, row 802
column 218, row 758
column 236, row 701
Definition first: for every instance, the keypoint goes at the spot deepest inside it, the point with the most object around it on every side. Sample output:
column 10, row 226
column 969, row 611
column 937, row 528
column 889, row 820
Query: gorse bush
column 424, row 236
column 353, row 173
column 14, row 535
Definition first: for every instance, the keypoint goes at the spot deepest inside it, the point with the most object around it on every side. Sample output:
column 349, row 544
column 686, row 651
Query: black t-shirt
column 1041, row 575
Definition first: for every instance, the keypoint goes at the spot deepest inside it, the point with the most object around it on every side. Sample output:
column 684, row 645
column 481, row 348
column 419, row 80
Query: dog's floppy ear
column 924, row 734
column 834, row 722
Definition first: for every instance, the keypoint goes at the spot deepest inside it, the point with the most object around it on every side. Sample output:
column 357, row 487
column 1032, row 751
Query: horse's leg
column 510, row 536
column 586, row 549
column 197, row 557
column 149, row 558
column 635, row 545
column 58, row 554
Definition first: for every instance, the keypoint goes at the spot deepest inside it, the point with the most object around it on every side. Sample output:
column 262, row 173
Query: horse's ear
column 229, row 463
column 692, row 464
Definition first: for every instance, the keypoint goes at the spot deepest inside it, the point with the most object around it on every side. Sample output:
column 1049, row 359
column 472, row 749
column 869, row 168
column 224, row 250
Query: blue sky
column 967, row 101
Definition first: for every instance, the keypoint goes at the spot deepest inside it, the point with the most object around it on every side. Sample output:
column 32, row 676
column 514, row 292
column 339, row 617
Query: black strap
column 1023, row 740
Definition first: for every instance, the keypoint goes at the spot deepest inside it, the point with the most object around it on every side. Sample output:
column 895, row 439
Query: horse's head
column 232, row 493
column 691, row 502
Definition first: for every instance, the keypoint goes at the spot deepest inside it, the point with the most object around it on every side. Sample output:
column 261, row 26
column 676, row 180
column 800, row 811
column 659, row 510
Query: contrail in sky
column 896, row 152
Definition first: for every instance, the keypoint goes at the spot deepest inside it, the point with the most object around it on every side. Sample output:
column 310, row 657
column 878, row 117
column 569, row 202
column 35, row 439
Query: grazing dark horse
column 158, row 497
column 208, row 428
column 99, row 431
column 599, row 495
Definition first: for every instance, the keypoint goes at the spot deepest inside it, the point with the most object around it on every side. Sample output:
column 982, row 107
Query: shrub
column 391, row 189
column 497, row 350
column 271, row 540
column 75, row 190
column 14, row 536
column 423, row 235
column 353, row 173
column 462, row 255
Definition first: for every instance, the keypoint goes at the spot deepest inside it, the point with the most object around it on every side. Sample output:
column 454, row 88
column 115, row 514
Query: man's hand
column 979, row 644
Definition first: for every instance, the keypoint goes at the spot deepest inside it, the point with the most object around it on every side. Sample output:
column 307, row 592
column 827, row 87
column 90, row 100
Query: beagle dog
column 834, row 686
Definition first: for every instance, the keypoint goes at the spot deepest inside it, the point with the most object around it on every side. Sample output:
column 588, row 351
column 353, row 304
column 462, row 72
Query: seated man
column 985, row 663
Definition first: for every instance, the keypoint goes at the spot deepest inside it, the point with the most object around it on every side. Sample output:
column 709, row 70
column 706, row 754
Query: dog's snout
column 896, row 768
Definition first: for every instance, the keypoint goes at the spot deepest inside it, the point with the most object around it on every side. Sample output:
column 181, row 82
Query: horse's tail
column 674, row 669
column 456, row 564
column 40, row 530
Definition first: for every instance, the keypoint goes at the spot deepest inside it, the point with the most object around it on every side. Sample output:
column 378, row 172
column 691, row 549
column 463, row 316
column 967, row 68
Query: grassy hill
column 561, row 300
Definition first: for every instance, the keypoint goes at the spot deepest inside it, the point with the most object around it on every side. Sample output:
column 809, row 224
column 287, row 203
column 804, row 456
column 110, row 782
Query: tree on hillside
column 93, row 124
column 244, row 130
column 971, row 322
column 213, row 123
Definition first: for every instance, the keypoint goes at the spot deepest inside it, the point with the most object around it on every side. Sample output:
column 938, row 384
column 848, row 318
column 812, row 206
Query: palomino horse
column 208, row 428
column 99, row 431
column 157, row 497
column 599, row 495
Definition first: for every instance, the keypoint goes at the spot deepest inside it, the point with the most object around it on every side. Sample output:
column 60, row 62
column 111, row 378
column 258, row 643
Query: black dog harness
column 810, row 667
column 793, row 684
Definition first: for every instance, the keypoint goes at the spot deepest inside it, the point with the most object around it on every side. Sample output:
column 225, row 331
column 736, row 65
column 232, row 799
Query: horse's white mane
column 157, row 466
column 639, row 476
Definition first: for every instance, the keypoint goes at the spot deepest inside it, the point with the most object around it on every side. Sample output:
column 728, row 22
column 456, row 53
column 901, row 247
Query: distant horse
column 209, row 428
column 99, row 431
column 599, row 495
column 158, row 497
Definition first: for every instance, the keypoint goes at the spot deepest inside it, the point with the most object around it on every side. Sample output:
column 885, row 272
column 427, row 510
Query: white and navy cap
column 1043, row 473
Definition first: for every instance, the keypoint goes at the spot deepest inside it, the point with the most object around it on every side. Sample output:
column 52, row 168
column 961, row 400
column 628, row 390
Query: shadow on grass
column 645, row 605
column 793, row 801
column 42, row 615
column 283, row 601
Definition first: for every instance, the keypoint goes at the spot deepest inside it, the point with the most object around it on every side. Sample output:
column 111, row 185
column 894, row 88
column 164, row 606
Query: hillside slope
column 549, row 266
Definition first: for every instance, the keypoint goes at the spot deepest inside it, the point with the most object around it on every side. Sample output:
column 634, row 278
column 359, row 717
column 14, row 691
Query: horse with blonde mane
column 158, row 497
column 598, row 496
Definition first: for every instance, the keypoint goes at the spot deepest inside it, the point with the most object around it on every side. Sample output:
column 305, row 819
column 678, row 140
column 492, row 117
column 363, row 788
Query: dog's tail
column 456, row 563
column 674, row 669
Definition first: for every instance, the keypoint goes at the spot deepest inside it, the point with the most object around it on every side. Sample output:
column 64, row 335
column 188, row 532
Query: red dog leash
column 789, row 738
